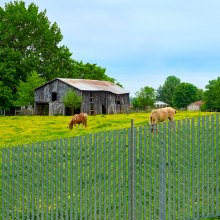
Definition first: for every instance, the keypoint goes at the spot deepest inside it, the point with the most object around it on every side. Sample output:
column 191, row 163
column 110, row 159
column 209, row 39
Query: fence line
column 124, row 174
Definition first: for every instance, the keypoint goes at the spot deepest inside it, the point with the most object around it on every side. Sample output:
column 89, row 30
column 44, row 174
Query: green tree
column 200, row 94
column 212, row 95
column 159, row 93
column 90, row 71
column 185, row 94
column 144, row 98
column 5, row 96
column 72, row 100
column 28, row 41
column 25, row 90
column 165, row 93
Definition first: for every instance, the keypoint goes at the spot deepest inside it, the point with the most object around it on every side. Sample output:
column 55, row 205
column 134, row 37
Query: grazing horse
column 78, row 119
column 161, row 115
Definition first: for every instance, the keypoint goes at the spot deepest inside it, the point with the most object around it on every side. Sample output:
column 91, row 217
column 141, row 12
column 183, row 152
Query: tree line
column 179, row 94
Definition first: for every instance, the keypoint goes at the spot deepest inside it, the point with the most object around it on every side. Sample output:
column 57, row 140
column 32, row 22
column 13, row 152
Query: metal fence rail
column 124, row 174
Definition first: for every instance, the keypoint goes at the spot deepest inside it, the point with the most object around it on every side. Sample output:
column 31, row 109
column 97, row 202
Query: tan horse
column 78, row 119
column 161, row 115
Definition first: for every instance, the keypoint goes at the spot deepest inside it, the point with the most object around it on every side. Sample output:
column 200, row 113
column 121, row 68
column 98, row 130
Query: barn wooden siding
column 105, row 101
column 94, row 102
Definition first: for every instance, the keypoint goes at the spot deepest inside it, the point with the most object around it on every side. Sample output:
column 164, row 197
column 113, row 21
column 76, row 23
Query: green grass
column 18, row 130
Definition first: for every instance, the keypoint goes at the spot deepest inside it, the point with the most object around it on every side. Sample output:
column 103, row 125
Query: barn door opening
column 42, row 109
column 68, row 111
column 103, row 109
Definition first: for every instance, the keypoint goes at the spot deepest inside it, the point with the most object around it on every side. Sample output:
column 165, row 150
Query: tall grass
column 18, row 130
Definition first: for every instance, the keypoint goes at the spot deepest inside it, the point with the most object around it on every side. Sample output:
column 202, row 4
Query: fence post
column 132, row 172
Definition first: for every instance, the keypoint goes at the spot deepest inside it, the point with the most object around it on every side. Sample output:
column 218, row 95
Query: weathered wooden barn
column 99, row 97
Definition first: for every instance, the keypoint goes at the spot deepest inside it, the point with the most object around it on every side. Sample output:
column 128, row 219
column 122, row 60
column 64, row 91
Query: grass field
column 18, row 130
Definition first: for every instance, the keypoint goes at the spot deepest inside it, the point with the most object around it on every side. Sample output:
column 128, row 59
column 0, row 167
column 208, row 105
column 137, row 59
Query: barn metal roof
column 94, row 85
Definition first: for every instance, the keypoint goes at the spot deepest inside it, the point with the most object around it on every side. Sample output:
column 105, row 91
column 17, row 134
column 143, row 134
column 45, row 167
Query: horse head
column 71, row 124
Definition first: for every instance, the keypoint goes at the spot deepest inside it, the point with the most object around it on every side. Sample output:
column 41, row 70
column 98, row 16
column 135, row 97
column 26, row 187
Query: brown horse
column 161, row 115
column 78, row 119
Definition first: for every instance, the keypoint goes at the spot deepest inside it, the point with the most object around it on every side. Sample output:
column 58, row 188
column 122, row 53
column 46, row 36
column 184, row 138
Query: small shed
column 160, row 104
column 99, row 97
column 195, row 106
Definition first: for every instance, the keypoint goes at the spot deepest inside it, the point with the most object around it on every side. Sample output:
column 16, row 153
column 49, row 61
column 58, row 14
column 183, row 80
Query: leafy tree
column 159, row 93
column 28, row 41
column 212, row 95
column 200, row 94
column 26, row 89
column 165, row 93
column 5, row 96
column 185, row 94
column 72, row 100
column 90, row 71
column 144, row 98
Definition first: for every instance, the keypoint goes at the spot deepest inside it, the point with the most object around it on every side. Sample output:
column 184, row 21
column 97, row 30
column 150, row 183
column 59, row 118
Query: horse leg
column 85, row 123
column 154, row 124
column 153, row 127
column 172, row 124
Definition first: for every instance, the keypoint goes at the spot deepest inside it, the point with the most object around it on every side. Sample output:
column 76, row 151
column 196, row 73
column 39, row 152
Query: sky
column 142, row 42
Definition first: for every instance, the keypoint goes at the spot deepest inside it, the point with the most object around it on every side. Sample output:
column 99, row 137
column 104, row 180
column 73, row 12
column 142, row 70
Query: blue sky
column 141, row 43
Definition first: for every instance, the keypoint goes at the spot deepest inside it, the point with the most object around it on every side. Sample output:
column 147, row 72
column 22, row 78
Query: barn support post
column 162, row 171
column 132, row 173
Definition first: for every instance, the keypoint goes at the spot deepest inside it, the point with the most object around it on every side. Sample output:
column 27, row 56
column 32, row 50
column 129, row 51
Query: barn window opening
column 54, row 96
column 117, row 100
column 91, row 104
column 104, row 105
column 91, row 97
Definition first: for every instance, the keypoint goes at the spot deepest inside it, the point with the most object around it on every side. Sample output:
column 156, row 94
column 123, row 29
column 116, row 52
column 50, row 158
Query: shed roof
column 160, row 103
column 92, row 85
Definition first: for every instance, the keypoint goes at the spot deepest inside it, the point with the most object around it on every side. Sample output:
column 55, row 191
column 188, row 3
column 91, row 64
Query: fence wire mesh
column 172, row 173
